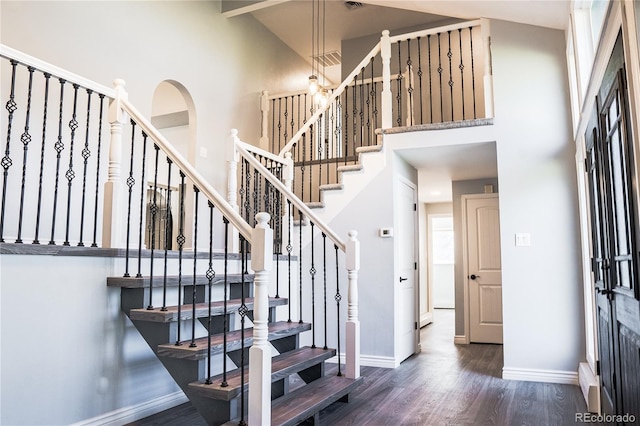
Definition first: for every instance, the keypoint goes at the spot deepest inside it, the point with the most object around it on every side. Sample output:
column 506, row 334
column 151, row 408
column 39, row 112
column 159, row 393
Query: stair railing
column 141, row 188
column 436, row 75
column 274, row 195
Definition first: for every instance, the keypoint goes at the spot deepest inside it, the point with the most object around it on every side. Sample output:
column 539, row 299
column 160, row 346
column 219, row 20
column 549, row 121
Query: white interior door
column 484, row 270
column 406, row 281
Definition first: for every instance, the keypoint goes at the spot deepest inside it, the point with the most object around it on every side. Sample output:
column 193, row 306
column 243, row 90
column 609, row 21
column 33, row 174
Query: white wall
column 542, row 295
column 66, row 347
column 224, row 63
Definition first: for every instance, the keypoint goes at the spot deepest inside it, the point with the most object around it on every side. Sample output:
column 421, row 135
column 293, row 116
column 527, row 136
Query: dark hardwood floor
column 445, row 384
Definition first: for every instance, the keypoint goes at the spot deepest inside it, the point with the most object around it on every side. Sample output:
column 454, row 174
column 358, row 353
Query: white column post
column 352, row 254
column 260, row 352
column 387, row 100
column 232, row 157
column 112, row 215
column 264, row 108
column 488, row 67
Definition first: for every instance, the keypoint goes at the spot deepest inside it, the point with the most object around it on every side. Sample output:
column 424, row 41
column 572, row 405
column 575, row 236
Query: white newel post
column 387, row 100
column 112, row 217
column 488, row 68
column 287, row 178
column 264, row 108
column 232, row 157
column 352, row 253
column 260, row 352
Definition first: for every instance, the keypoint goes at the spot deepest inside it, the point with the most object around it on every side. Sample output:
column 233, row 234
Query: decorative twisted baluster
column 243, row 311
column 142, row 197
column 224, row 383
column 95, row 203
column 461, row 67
column 399, row 80
column 195, row 261
column 181, row 240
column 211, row 274
column 71, row 174
column 420, row 73
column 312, row 273
column 6, row 160
column 167, row 234
column 25, row 138
column 289, row 250
column 130, row 183
column 58, row 146
column 450, row 56
column 45, row 109
column 86, row 153
column 338, row 298
column 154, row 213
column 324, row 292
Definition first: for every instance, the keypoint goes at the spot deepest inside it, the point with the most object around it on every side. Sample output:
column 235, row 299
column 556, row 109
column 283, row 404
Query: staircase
column 219, row 398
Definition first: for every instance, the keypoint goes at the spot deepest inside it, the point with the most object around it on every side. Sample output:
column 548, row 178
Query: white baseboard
column 460, row 339
column 545, row 376
column 590, row 386
column 370, row 361
column 136, row 412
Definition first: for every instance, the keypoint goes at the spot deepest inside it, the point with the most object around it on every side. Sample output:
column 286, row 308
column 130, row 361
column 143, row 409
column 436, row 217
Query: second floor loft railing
column 433, row 76
column 99, row 174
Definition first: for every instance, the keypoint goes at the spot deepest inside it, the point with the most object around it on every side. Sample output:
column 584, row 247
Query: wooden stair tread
column 282, row 366
column 304, row 402
column 172, row 280
column 202, row 310
column 315, row 204
column 277, row 330
column 369, row 148
column 350, row 168
column 331, row 187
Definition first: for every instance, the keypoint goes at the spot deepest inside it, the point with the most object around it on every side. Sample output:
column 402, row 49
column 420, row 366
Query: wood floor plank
column 446, row 384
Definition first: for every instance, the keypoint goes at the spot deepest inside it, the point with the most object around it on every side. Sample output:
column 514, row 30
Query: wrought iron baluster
column 167, row 234
column 368, row 102
column 361, row 113
column 25, row 138
column 194, row 292
column 225, row 330
column 440, row 76
column 86, row 153
column 450, row 55
column 338, row 298
column 154, row 213
column 461, row 66
column 243, row 311
column 293, row 131
column 399, row 79
column 211, row 274
column 374, row 95
column 324, row 279
column 279, row 121
column 256, row 192
column 410, row 82
column 95, row 202
column 430, row 79
column 6, row 162
column 71, row 174
column 304, row 154
column 473, row 74
column 273, row 125
column 130, row 182
column 286, row 119
column 45, row 109
column 300, row 263
column 58, row 146
column 346, row 126
column 420, row 81
column 289, row 250
column 143, row 189
column 354, row 102
column 312, row 273
column 181, row 240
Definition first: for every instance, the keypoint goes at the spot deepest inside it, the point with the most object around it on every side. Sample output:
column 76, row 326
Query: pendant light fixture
column 318, row 24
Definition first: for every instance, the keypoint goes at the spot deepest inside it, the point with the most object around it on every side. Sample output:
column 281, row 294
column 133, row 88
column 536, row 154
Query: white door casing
column 406, row 342
column 483, row 270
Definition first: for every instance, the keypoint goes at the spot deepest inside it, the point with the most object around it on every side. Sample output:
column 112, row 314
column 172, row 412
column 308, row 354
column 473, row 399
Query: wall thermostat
column 386, row 232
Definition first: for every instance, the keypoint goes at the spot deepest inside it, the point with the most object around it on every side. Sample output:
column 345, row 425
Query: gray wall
column 458, row 189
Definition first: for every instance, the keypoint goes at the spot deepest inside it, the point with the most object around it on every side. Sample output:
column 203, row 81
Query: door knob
column 474, row 276
column 403, row 279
